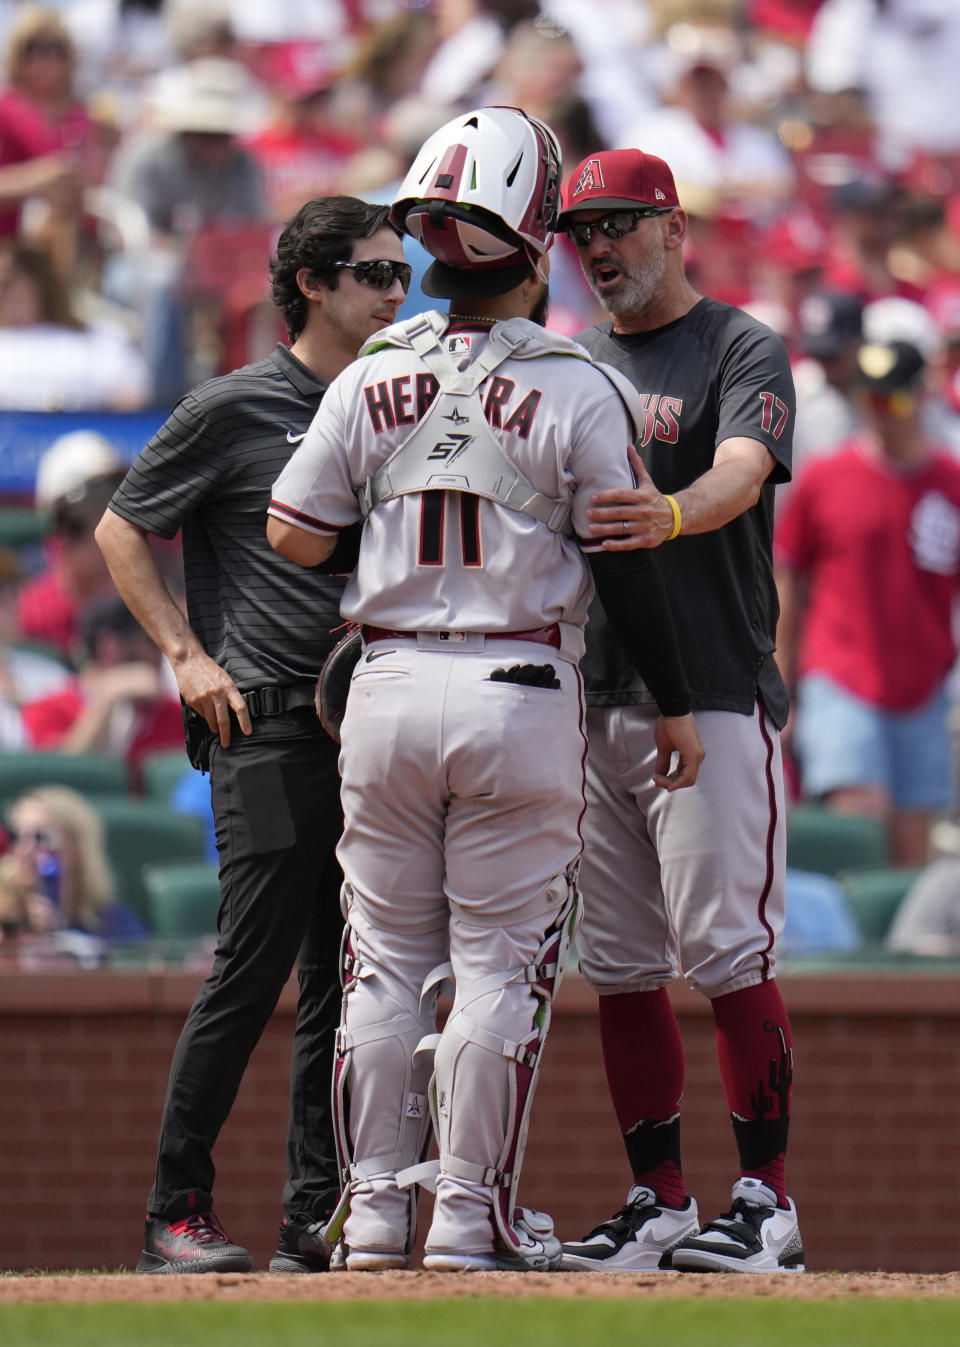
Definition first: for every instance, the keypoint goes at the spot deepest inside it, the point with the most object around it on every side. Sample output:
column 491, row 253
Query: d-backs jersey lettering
column 455, row 560
column 713, row 375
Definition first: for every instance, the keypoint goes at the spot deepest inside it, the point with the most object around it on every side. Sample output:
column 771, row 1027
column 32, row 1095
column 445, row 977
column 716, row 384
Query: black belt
column 275, row 700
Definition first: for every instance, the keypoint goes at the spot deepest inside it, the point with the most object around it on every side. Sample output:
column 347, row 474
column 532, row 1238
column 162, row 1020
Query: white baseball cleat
column 755, row 1235
column 539, row 1250
column 639, row 1238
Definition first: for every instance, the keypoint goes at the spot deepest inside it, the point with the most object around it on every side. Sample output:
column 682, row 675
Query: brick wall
column 874, row 1157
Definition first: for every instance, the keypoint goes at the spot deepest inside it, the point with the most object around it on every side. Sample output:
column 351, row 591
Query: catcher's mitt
column 330, row 696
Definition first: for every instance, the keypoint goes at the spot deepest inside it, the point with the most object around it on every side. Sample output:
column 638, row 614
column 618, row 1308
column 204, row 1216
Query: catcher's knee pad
column 484, row 1079
column 380, row 1104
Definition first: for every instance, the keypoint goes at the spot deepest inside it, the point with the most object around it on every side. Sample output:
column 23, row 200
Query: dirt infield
column 83, row 1287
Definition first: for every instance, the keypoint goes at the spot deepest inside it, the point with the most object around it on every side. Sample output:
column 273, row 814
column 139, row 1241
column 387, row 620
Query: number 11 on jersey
column 433, row 513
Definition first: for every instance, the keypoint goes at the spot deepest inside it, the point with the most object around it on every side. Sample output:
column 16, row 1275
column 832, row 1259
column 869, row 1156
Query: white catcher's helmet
column 484, row 191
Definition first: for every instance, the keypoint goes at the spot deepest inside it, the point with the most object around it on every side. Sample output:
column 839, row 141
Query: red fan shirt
column 881, row 549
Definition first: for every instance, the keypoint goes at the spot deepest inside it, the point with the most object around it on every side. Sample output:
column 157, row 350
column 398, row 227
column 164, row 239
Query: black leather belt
column 274, row 701
column 539, row 635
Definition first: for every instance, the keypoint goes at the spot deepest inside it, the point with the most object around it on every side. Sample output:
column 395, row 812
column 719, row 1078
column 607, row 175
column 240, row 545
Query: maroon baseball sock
column 755, row 1051
column 643, row 1057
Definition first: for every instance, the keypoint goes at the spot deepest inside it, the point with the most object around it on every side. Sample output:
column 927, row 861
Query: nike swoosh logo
column 294, row 439
column 376, row 654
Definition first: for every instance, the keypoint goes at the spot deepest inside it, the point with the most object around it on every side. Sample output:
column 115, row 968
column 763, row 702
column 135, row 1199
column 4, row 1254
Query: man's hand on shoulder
column 630, row 517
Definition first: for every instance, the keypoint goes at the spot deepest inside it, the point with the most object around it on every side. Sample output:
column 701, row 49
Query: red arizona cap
column 615, row 178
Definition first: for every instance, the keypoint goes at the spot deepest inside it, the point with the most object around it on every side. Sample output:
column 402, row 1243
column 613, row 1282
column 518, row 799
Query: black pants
column 276, row 803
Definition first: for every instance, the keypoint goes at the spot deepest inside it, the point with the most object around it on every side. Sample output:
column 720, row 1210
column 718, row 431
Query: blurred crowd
column 150, row 151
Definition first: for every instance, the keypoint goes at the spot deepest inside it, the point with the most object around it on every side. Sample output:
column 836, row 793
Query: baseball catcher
column 470, row 442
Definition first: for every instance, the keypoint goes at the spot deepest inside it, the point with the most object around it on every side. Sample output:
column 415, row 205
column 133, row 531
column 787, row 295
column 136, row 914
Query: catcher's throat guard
column 472, row 459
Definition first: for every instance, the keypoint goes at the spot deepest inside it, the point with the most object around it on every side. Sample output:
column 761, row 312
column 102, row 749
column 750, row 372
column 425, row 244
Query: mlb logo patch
column 459, row 345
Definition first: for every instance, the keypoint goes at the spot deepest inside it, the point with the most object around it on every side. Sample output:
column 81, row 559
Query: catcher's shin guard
column 503, row 1078
column 379, row 1031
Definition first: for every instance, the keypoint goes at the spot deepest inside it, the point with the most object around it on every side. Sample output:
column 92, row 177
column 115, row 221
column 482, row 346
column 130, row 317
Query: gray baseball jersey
column 439, row 559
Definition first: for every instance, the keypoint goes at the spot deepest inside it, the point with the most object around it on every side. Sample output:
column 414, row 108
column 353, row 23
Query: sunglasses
column 614, row 225
column 40, row 837
column 378, row 272
column 43, row 46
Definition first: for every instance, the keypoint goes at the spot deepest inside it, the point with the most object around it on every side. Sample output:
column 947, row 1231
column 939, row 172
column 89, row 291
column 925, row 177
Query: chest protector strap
column 453, row 448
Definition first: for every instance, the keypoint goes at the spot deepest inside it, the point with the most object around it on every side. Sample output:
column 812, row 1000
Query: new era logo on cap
column 619, row 178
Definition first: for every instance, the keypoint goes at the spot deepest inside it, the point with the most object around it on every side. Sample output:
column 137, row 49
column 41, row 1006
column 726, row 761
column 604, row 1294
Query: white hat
column 689, row 45
column 210, row 95
column 71, row 461
column 896, row 318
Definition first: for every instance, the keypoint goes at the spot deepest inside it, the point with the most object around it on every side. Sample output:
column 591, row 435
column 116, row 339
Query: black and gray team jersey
column 711, row 375
column 209, row 471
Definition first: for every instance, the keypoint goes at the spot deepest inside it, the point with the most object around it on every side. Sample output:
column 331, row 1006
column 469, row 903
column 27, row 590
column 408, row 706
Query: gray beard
column 639, row 290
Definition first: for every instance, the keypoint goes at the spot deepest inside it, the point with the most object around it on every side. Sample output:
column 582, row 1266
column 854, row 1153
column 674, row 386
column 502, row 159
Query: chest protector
column 453, row 448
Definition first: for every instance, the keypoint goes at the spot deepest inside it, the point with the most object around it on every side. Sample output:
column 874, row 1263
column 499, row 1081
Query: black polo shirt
column 209, row 471
column 713, row 374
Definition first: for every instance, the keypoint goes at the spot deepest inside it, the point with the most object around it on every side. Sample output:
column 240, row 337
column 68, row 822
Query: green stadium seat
column 870, row 959
column 820, row 840
column 874, row 894
column 22, row 525
column 142, row 832
column 88, row 773
column 162, row 771
column 182, row 898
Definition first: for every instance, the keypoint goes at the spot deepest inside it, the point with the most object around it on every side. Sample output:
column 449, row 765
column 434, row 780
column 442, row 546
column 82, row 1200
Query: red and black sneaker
column 194, row 1243
column 301, row 1247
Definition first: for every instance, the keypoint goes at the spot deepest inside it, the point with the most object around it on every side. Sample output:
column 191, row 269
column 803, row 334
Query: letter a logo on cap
column 661, row 196
column 591, row 178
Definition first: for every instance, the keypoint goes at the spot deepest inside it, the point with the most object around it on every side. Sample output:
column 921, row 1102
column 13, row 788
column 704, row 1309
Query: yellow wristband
column 677, row 521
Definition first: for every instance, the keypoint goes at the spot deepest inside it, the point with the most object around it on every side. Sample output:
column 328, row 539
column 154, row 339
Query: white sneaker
column 539, row 1251
column 375, row 1260
column 755, row 1235
column 639, row 1238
